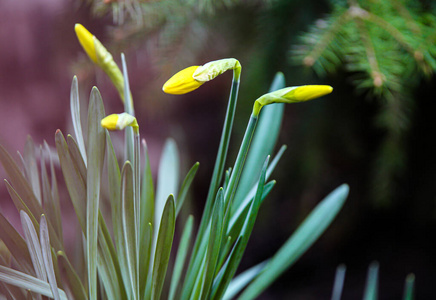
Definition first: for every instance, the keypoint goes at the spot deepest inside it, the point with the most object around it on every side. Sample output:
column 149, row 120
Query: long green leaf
column 77, row 289
column 21, row 205
column 28, row 282
column 78, row 161
column 31, row 167
column 182, row 251
column 146, row 219
column 52, row 210
column 213, row 249
column 19, row 182
column 76, row 184
column 263, row 143
column 96, row 149
column 185, row 187
column 241, row 281
column 46, row 255
column 371, row 287
column 33, row 245
column 306, row 234
column 163, row 247
column 409, row 287
column 75, row 117
column 168, row 177
column 339, row 282
column 110, row 259
column 244, row 235
column 16, row 245
column 128, row 225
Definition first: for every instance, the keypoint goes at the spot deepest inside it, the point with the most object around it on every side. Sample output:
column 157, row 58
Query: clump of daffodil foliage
column 126, row 253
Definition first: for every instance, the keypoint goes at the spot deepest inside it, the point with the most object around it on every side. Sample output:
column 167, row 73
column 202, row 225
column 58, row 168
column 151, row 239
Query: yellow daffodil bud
column 100, row 56
column 215, row 68
column 86, row 39
column 119, row 122
column 182, row 82
column 291, row 95
column 193, row 77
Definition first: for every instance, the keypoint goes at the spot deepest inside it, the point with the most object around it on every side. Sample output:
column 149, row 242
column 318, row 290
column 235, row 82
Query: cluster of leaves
column 127, row 253
column 387, row 46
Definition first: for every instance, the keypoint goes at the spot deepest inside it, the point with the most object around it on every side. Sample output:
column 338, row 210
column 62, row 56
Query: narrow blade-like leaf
column 181, row 256
column 163, row 247
column 339, row 282
column 75, row 117
column 409, row 287
column 96, row 149
column 46, row 254
column 33, row 245
column 241, row 281
column 128, row 225
column 28, row 282
column 371, row 287
column 213, row 249
column 185, row 187
column 306, row 234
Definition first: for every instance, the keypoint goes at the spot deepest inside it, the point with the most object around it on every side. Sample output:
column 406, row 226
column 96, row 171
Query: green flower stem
column 218, row 169
column 128, row 108
column 239, row 164
column 137, row 197
column 221, row 158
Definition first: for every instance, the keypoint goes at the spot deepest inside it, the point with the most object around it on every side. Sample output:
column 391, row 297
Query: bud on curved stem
column 193, row 77
column 291, row 95
column 119, row 122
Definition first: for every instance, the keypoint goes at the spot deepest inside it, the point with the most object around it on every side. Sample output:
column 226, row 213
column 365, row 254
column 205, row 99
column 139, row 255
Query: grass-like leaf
column 79, row 163
column 241, row 281
column 54, row 194
column 77, row 289
column 19, row 182
column 46, row 255
column 16, row 245
column 168, row 177
column 231, row 267
column 185, row 187
column 213, row 249
column 409, row 287
column 182, row 251
column 371, row 287
column 163, row 247
column 31, row 167
column 51, row 208
column 96, row 149
column 28, row 282
column 74, row 181
column 339, row 282
column 33, row 245
column 146, row 219
column 75, row 117
column 306, row 234
column 128, row 225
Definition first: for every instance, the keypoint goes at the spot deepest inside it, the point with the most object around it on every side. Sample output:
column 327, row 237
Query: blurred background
column 373, row 132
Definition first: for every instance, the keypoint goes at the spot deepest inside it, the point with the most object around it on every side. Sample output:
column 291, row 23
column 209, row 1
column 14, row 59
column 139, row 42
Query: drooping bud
column 119, row 122
column 291, row 95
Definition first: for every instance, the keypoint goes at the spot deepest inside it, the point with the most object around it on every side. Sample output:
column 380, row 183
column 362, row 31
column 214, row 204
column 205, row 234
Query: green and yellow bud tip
column 182, row 82
column 86, row 39
column 119, row 122
column 291, row 95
